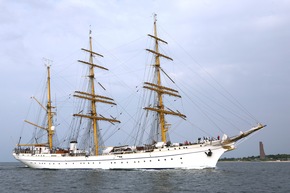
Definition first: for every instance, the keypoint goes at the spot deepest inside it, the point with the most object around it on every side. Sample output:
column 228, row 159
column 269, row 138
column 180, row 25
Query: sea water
column 226, row 177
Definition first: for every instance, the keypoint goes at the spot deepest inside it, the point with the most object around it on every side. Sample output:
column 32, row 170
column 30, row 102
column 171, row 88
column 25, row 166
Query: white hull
column 182, row 157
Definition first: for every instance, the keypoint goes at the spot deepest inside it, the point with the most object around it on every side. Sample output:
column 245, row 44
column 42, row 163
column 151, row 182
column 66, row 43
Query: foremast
column 93, row 97
column 158, row 88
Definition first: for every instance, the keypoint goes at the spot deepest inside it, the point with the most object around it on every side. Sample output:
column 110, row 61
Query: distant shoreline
column 277, row 161
column 267, row 158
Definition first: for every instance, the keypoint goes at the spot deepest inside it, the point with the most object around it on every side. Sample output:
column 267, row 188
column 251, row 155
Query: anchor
column 209, row 153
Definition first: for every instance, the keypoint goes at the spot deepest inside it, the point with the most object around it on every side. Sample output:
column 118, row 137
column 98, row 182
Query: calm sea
column 227, row 177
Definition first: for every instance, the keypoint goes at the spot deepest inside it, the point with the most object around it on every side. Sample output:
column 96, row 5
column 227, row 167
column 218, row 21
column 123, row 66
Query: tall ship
column 158, row 153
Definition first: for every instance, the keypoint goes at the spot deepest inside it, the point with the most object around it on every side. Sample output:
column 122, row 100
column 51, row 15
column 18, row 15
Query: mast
column 49, row 115
column 158, row 88
column 93, row 104
column 50, row 129
column 92, row 97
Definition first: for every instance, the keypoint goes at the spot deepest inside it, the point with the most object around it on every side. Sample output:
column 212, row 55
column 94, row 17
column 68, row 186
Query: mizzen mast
column 158, row 88
column 49, row 115
column 93, row 97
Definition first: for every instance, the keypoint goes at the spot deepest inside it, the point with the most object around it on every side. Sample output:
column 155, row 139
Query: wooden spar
column 97, row 118
column 156, row 38
column 39, row 103
column 35, row 125
column 161, row 89
column 159, row 54
column 242, row 135
column 92, row 64
column 94, row 99
column 96, row 96
column 92, row 52
column 165, row 112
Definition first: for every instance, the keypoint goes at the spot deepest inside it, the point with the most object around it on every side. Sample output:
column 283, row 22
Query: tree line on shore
column 277, row 157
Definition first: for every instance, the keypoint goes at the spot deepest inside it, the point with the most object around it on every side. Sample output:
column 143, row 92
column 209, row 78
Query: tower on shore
column 262, row 152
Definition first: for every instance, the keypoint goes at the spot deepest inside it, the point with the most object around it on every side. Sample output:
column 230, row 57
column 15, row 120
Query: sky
column 242, row 46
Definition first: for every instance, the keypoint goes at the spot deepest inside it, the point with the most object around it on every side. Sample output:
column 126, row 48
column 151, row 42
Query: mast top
column 155, row 17
column 47, row 62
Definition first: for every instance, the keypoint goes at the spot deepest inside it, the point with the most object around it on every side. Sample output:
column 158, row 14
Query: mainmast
column 158, row 88
column 92, row 97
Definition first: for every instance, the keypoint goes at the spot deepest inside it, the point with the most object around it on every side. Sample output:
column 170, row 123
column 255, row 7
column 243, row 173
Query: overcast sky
column 244, row 45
